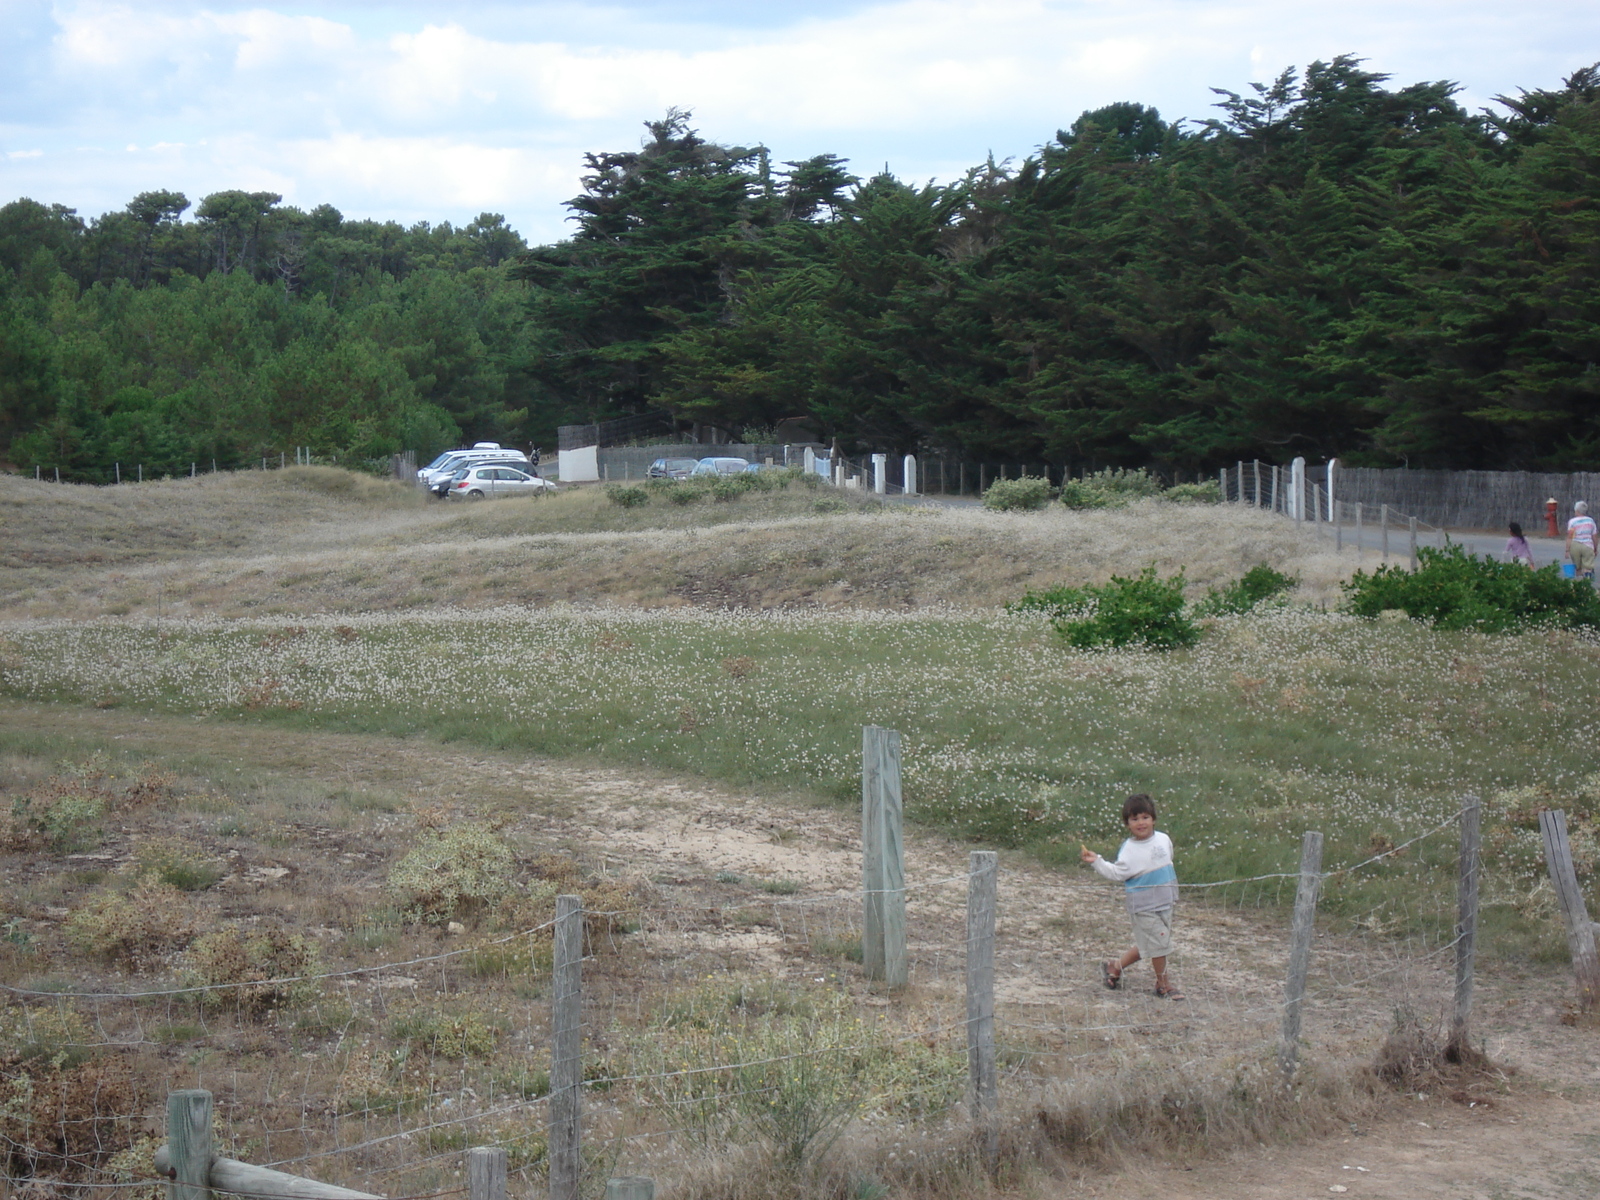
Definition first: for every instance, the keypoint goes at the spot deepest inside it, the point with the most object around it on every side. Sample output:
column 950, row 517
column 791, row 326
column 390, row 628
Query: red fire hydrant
column 1550, row 516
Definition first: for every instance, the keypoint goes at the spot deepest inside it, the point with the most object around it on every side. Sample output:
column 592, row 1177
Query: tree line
column 1328, row 266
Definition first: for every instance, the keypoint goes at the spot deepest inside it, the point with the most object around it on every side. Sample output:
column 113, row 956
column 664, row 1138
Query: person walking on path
column 1150, row 886
column 1583, row 538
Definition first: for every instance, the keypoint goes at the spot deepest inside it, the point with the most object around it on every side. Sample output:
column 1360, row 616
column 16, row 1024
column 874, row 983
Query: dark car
column 671, row 468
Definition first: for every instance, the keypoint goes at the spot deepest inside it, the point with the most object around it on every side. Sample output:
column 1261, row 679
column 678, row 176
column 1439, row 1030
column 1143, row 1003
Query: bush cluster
column 1113, row 487
column 1452, row 589
column 1027, row 494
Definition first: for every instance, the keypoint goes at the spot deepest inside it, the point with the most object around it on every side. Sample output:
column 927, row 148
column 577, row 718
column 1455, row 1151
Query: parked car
column 445, row 483
column 670, row 468
column 720, row 466
column 496, row 482
column 757, row 468
column 446, row 465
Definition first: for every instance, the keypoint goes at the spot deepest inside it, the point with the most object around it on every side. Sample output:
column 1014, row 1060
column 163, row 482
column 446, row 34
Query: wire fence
column 704, row 1026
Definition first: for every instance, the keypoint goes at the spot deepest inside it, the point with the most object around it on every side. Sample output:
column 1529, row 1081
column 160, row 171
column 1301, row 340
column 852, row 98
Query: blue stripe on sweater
column 1149, row 879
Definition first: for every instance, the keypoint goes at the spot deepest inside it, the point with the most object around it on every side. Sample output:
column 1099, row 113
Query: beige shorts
column 1152, row 933
column 1582, row 555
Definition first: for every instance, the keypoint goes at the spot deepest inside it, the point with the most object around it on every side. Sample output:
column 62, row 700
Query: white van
column 448, row 463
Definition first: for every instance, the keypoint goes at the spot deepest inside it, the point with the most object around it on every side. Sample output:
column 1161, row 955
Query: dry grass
column 316, row 540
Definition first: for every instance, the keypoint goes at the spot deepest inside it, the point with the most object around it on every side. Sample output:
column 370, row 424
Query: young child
column 1150, row 884
column 1517, row 549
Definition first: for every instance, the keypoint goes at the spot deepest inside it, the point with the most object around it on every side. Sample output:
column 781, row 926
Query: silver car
column 720, row 466
column 496, row 482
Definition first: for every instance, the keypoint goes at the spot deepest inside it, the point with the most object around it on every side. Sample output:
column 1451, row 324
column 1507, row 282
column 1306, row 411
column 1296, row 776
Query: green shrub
column 460, row 872
column 1113, row 487
column 1257, row 584
column 1452, row 589
column 1207, row 492
column 1144, row 610
column 684, row 493
column 829, row 504
column 1018, row 495
column 626, row 497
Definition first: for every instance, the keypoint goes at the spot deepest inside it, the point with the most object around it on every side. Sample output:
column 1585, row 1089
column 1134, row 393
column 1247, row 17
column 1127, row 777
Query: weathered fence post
column 486, row 1173
column 1466, row 930
column 189, row 1144
column 1359, row 523
column 883, row 874
column 566, row 1063
column 1580, row 933
column 982, row 899
column 1222, row 483
column 1383, row 520
column 118, row 468
column 1305, row 916
column 1413, row 543
column 1255, row 467
column 1338, row 527
column 630, row 1187
column 908, row 474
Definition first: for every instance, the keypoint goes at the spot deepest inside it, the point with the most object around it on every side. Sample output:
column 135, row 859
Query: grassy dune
column 315, row 540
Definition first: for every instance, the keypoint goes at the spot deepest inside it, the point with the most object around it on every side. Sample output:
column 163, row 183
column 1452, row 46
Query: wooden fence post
column 982, row 899
column 1457, row 1048
column 1413, row 543
column 1255, row 467
column 1222, row 482
column 1305, row 916
column 566, row 1062
column 189, row 1144
column 1358, row 528
column 486, row 1173
column 883, row 876
column 630, row 1187
column 1338, row 527
column 1580, row 933
column 1383, row 520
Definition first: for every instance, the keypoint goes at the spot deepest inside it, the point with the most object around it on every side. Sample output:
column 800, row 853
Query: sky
column 432, row 111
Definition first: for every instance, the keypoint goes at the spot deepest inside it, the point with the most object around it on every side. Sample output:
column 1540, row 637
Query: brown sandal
column 1170, row 992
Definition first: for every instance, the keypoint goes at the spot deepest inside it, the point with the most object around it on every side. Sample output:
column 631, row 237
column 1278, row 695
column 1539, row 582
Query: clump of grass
column 455, row 1035
column 175, row 862
column 254, row 969
column 780, row 887
column 141, row 929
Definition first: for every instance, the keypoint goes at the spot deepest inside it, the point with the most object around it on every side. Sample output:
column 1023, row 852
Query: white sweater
column 1145, row 868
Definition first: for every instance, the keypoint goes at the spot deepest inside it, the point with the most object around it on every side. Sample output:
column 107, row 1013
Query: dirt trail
column 1538, row 1136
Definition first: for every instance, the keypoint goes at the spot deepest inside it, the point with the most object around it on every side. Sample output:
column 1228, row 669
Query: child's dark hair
column 1136, row 804
column 1516, row 530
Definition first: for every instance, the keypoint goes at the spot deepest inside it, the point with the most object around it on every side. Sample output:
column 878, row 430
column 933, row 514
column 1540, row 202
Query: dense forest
column 1329, row 266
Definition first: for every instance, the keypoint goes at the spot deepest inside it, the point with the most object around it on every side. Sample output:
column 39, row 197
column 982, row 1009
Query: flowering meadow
column 1275, row 723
